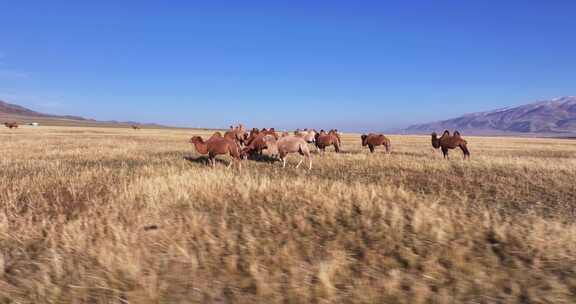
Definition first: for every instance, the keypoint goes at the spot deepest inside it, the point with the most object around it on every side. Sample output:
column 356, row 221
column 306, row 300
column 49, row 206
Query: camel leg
column 465, row 152
column 445, row 152
column 300, row 162
column 371, row 147
column 309, row 162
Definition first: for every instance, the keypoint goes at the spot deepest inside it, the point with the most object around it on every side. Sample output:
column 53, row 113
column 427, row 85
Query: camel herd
column 240, row 144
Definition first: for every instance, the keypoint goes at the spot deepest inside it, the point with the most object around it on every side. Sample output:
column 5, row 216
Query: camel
column 373, row 140
column 217, row 145
column 290, row 144
column 11, row 125
column 237, row 134
column 447, row 142
column 256, row 143
column 332, row 138
column 308, row 135
column 216, row 134
column 270, row 131
column 135, row 127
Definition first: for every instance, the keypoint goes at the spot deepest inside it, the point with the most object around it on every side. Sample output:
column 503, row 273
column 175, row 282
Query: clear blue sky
column 356, row 65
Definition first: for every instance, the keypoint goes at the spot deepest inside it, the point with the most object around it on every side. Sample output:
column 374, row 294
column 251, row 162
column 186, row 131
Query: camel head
column 435, row 140
column 364, row 137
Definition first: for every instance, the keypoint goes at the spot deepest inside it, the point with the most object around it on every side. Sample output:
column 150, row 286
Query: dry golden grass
column 120, row 216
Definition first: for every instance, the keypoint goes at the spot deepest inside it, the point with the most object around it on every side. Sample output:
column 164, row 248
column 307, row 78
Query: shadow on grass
column 264, row 158
column 204, row 160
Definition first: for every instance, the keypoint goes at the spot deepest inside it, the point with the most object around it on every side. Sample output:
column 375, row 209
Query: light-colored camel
column 373, row 140
column 308, row 135
column 217, row 145
column 291, row 144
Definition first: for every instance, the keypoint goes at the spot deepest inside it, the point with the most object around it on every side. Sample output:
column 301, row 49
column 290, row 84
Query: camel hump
column 456, row 133
column 446, row 133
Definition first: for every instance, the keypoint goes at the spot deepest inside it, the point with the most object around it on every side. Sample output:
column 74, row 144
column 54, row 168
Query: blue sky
column 354, row 65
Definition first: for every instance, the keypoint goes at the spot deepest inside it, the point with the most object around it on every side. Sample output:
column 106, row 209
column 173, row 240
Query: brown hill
column 549, row 117
column 14, row 113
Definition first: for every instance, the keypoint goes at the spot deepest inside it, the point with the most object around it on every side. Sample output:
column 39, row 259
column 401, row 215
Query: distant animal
column 332, row 138
column 447, row 142
column 373, row 140
column 217, row 145
column 291, row 144
column 11, row 125
column 135, row 127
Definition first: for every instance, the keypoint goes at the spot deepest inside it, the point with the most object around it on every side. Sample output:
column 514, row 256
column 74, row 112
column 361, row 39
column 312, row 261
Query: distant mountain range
column 14, row 113
column 549, row 117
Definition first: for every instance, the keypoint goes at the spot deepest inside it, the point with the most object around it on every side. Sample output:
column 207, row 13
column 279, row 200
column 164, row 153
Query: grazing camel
column 217, row 145
column 290, row 144
column 331, row 138
column 256, row 143
column 373, row 140
column 447, row 142
column 11, row 125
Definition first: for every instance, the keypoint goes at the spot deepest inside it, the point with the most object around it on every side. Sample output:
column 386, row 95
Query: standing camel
column 217, row 145
column 373, row 140
column 447, row 142
column 331, row 138
column 237, row 134
column 291, row 144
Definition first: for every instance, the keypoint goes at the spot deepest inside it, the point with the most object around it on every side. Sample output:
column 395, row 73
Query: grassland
column 93, row 215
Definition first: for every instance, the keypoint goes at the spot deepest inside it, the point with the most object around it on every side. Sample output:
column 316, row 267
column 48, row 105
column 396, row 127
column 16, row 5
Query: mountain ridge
column 20, row 114
column 555, row 116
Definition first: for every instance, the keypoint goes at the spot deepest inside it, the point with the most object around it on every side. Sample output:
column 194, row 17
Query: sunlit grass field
column 104, row 215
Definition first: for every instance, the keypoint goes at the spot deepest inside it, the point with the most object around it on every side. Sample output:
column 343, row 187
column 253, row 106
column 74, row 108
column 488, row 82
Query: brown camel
column 290, row 144
column 255, row 144
column 373, row 140
column 270, row 131
column 331, row 138
column 237, row 134
column 217, row 145
column 447, row 142
column 135, row 127
column 11, row 125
